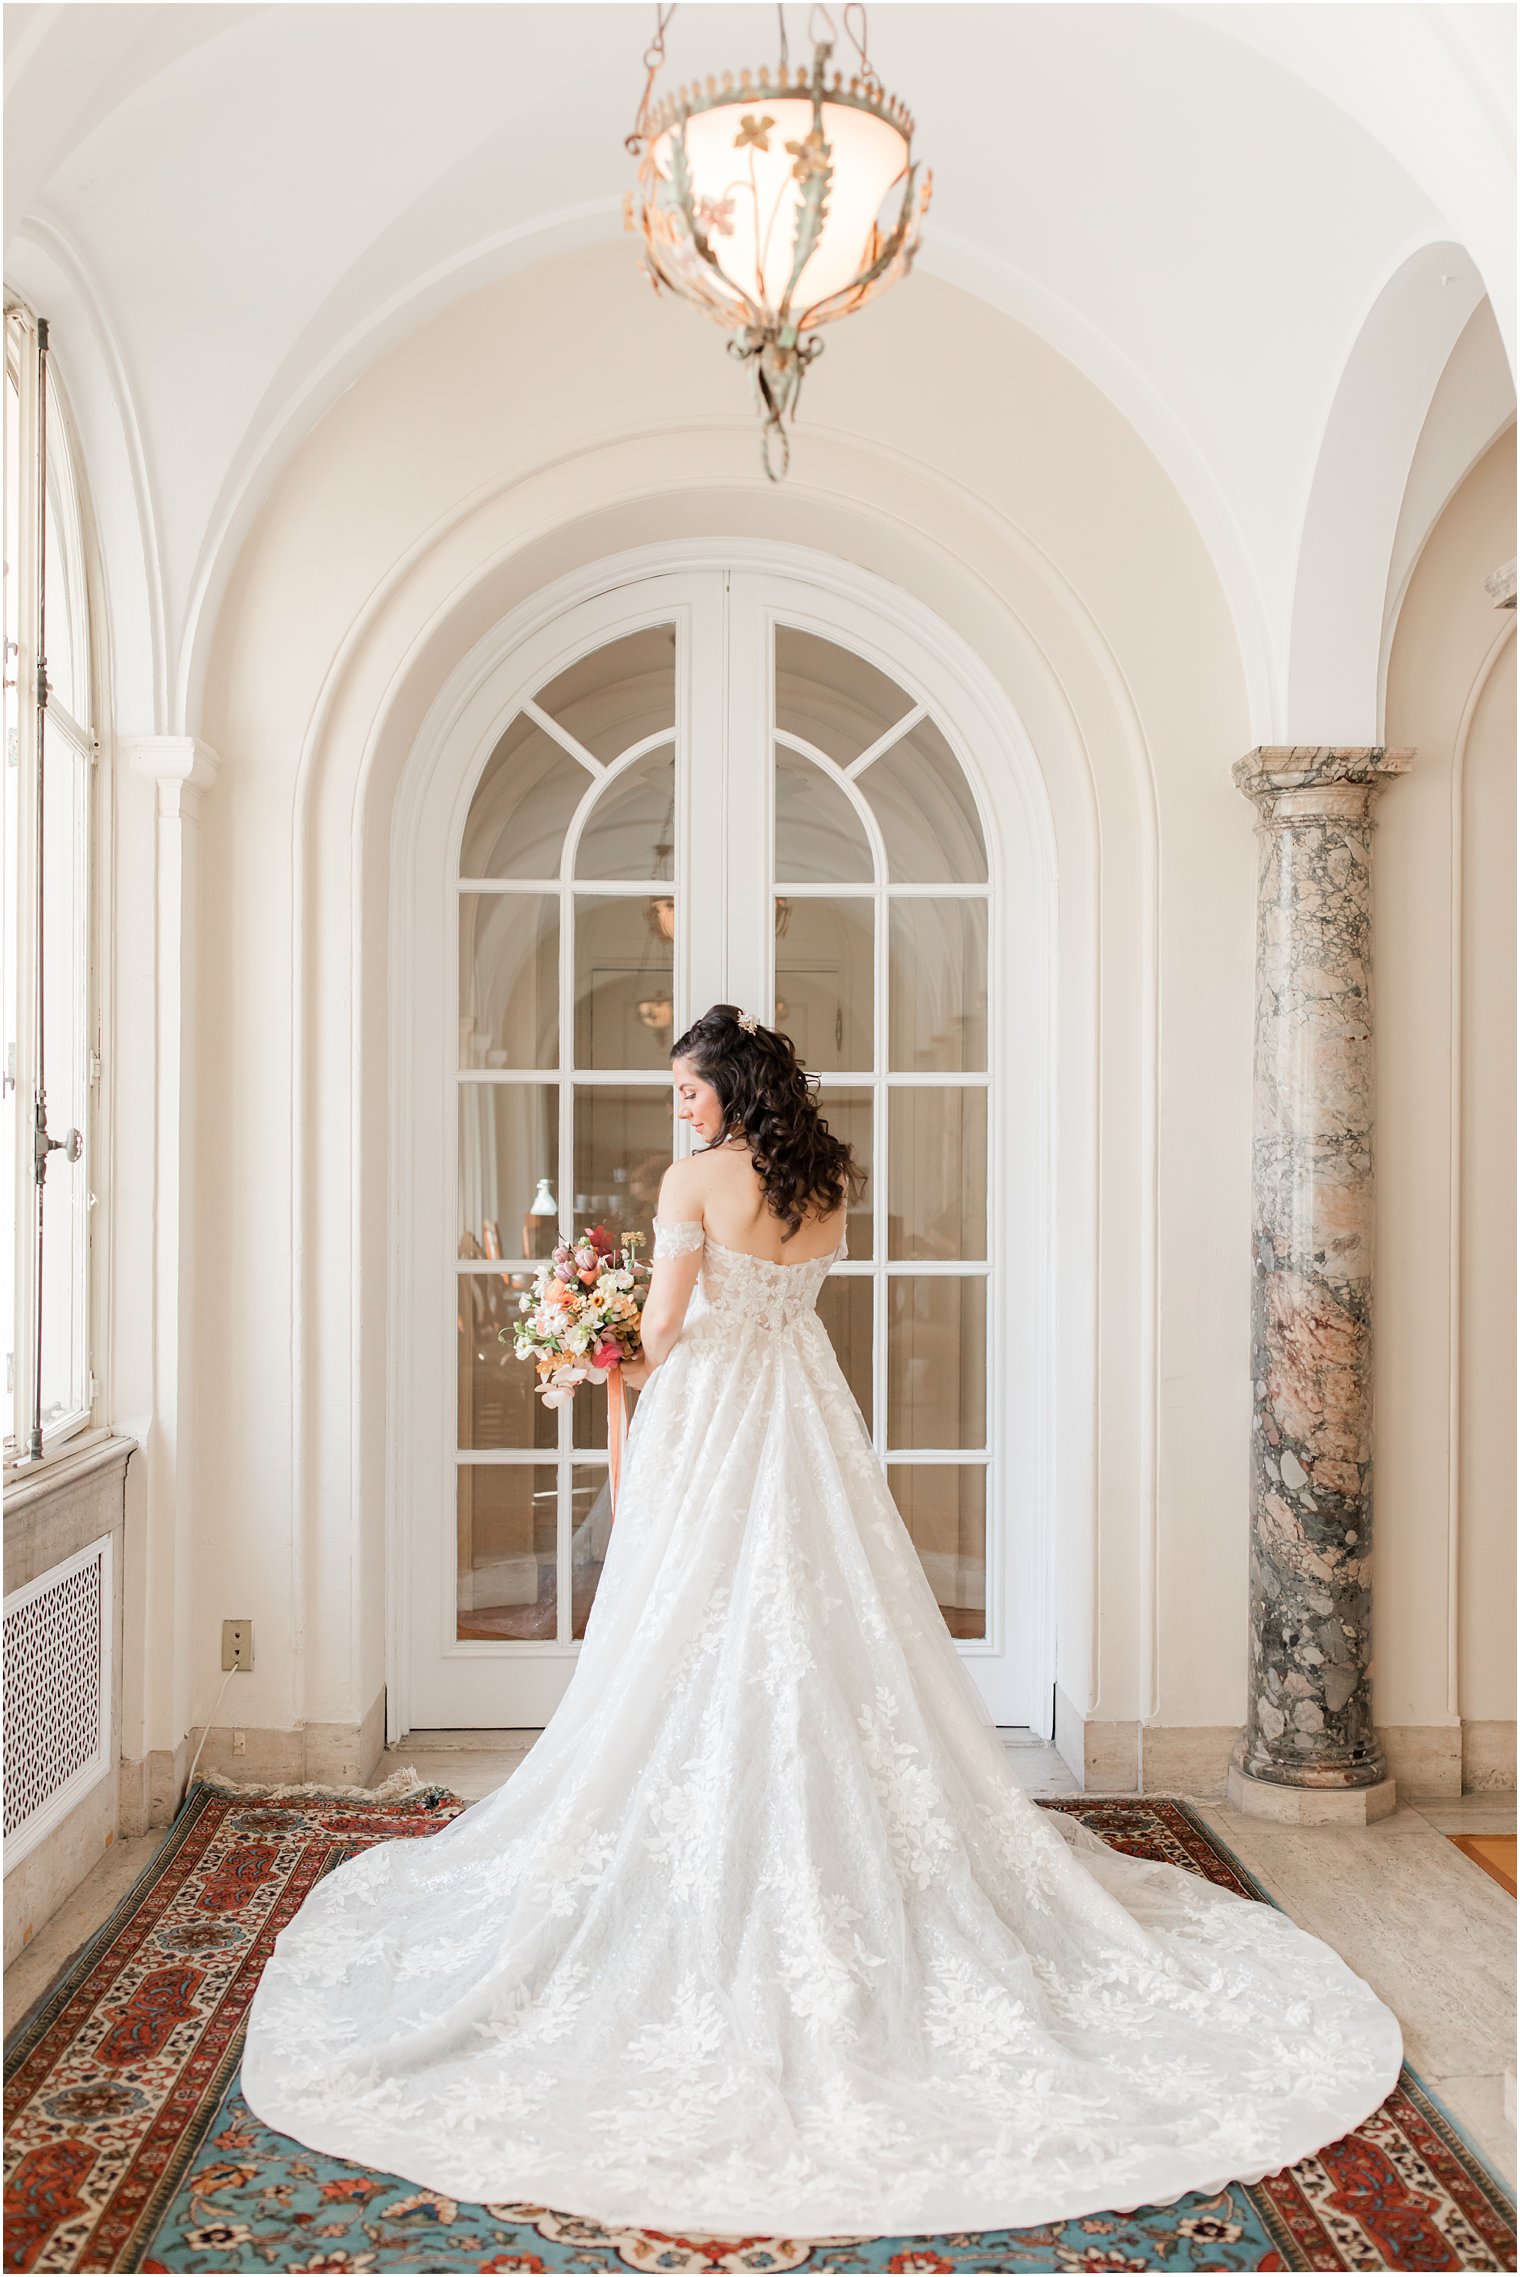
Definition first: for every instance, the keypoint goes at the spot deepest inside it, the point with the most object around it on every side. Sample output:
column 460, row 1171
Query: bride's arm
column 674, row 1278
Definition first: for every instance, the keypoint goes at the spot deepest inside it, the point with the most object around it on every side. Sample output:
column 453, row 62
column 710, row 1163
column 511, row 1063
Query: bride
column 765, row 1935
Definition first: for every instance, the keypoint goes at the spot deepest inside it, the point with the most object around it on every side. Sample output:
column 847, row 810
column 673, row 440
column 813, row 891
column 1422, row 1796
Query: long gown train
column 765, row 1935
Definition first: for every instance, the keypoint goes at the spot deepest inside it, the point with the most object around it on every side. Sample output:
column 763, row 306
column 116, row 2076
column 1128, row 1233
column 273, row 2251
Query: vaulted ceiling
column 1229, row 217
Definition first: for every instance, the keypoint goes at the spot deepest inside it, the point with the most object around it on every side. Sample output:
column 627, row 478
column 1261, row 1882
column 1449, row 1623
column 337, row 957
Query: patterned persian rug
column 130, row 2148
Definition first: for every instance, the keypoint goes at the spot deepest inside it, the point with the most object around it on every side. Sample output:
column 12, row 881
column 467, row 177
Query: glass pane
column 844, row 1307
column 68, row 647
column 522, row 806
column 937, row 1173
column 624, row 983
column 938, row 985
column 624, row 1143
column 847, row 1112
column 497, row 1403
column 590, row 1528
column 824, row 976
column 507, row 1527
column 630, row 832
column 508, row 980
column 588, row 1413
column 820, row 839
column 17, row 1224
column 944, row 1508
column 920, row 796
column 936, row 1361
column 65, row 969
column 832, row 697
column 508, row 1169
column 618, row 694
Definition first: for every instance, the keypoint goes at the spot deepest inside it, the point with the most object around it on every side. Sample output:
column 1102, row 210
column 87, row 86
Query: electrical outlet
column 237, row 1644
column 239, row 1742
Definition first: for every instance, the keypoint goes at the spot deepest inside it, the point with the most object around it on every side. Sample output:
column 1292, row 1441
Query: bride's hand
column 636, row 1372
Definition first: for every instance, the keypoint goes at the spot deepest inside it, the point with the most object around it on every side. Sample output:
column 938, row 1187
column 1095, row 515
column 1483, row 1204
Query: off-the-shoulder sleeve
column 678, row 1237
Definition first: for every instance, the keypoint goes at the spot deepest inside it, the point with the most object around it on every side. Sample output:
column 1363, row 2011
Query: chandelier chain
column 860, row 40
column 827, row 37
column 653, row 58
column 741, row 218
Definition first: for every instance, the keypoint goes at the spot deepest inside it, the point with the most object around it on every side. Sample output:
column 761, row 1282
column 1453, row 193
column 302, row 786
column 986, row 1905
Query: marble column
column 1309, row 1749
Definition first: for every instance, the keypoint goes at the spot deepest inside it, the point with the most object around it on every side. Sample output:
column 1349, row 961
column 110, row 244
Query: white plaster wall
column 1444, row 950
column 951, row 451
column 1486, row 1355
column 944, row 447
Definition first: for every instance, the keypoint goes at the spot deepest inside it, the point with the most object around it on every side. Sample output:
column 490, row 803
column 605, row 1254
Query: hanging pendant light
column 776, row 203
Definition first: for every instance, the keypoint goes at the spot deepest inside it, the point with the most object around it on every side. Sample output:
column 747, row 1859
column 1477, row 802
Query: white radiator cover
column 58, row 1632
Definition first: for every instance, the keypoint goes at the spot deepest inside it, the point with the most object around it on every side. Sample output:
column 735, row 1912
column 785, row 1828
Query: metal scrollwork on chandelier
column 776, row 202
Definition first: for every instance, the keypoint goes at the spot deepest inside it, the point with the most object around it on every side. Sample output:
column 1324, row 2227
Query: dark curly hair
column 767, row 1098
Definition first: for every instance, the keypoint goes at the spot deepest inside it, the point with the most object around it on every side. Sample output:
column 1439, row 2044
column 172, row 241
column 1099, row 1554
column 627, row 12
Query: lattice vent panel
column 57, row 1677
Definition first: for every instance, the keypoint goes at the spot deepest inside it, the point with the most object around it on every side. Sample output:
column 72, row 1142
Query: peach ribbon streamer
column 617, row 1431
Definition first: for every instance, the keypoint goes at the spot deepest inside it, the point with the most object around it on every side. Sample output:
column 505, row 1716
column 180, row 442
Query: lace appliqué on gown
column 765, row 1934
column 679, row 1237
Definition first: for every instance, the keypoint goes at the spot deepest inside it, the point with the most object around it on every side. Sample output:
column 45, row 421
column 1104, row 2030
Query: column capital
column 1273, row 768
column 181, row 765
column 1500, row 587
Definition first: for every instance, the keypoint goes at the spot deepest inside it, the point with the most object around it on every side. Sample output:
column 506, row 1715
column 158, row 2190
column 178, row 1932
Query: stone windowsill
column 26, row 1482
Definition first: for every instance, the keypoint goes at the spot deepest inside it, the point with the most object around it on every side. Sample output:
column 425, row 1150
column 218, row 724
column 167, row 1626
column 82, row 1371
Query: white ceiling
column 1199, row 205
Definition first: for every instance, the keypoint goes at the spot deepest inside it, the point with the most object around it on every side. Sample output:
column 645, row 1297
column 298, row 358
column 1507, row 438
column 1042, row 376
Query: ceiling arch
column 1388, row 383
column 1185, row 200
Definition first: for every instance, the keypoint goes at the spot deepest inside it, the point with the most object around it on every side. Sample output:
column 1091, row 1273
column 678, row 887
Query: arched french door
column 714, row 784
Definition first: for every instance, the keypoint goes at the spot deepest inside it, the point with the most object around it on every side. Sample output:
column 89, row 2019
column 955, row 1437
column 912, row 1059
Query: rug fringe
column 405, row 1781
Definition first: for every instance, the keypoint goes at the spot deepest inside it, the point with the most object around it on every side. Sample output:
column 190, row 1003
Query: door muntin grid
column 882, row 976
column 567, row 925
column 898, row 893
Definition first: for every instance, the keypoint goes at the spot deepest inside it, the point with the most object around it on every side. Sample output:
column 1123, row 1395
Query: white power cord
column 205, row 1729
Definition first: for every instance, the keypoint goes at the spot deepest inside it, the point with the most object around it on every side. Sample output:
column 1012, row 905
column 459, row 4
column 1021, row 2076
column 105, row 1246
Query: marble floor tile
column 1038, row 1768
column 464, row 1742
column 1427, row 1929
column 471, row 1773
column 1404, row 1818
column 1470, row 1814
column 1477, row 2105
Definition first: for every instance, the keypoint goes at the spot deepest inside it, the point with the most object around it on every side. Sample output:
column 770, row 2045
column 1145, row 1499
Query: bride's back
column 735, row 1213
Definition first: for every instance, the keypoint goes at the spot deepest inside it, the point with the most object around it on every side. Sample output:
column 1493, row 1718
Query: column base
column 1308, row 1806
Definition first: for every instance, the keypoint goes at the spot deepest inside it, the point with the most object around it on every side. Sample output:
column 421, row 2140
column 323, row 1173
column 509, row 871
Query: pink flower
column 607, row 1355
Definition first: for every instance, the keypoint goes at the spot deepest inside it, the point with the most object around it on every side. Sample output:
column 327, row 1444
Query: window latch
column 71, row 1144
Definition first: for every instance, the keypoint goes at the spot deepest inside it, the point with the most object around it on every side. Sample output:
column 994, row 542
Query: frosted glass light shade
column 777, row 204
column 746, row 192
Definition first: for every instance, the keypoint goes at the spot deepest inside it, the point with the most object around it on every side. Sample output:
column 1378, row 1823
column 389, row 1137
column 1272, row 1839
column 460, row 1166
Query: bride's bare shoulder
column 683, row 1191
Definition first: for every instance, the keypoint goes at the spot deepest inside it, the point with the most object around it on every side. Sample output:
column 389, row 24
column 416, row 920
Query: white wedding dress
column 765, row 1936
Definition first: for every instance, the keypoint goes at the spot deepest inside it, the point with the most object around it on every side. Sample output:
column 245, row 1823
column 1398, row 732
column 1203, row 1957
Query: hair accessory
column 746, row 1021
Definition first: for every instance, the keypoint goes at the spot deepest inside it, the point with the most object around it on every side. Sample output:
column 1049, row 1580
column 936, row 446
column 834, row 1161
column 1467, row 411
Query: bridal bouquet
column 581, row 1317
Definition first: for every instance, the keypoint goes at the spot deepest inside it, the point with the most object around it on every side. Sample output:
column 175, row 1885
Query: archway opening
column 685, row 787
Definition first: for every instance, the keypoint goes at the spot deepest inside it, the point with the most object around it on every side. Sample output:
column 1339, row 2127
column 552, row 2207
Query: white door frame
column 881, row 622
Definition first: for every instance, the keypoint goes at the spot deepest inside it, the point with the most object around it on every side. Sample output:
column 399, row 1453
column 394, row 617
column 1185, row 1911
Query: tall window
column 50, row 1039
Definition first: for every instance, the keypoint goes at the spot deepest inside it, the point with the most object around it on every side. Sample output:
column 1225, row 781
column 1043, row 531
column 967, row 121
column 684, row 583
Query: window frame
column 49, row 472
